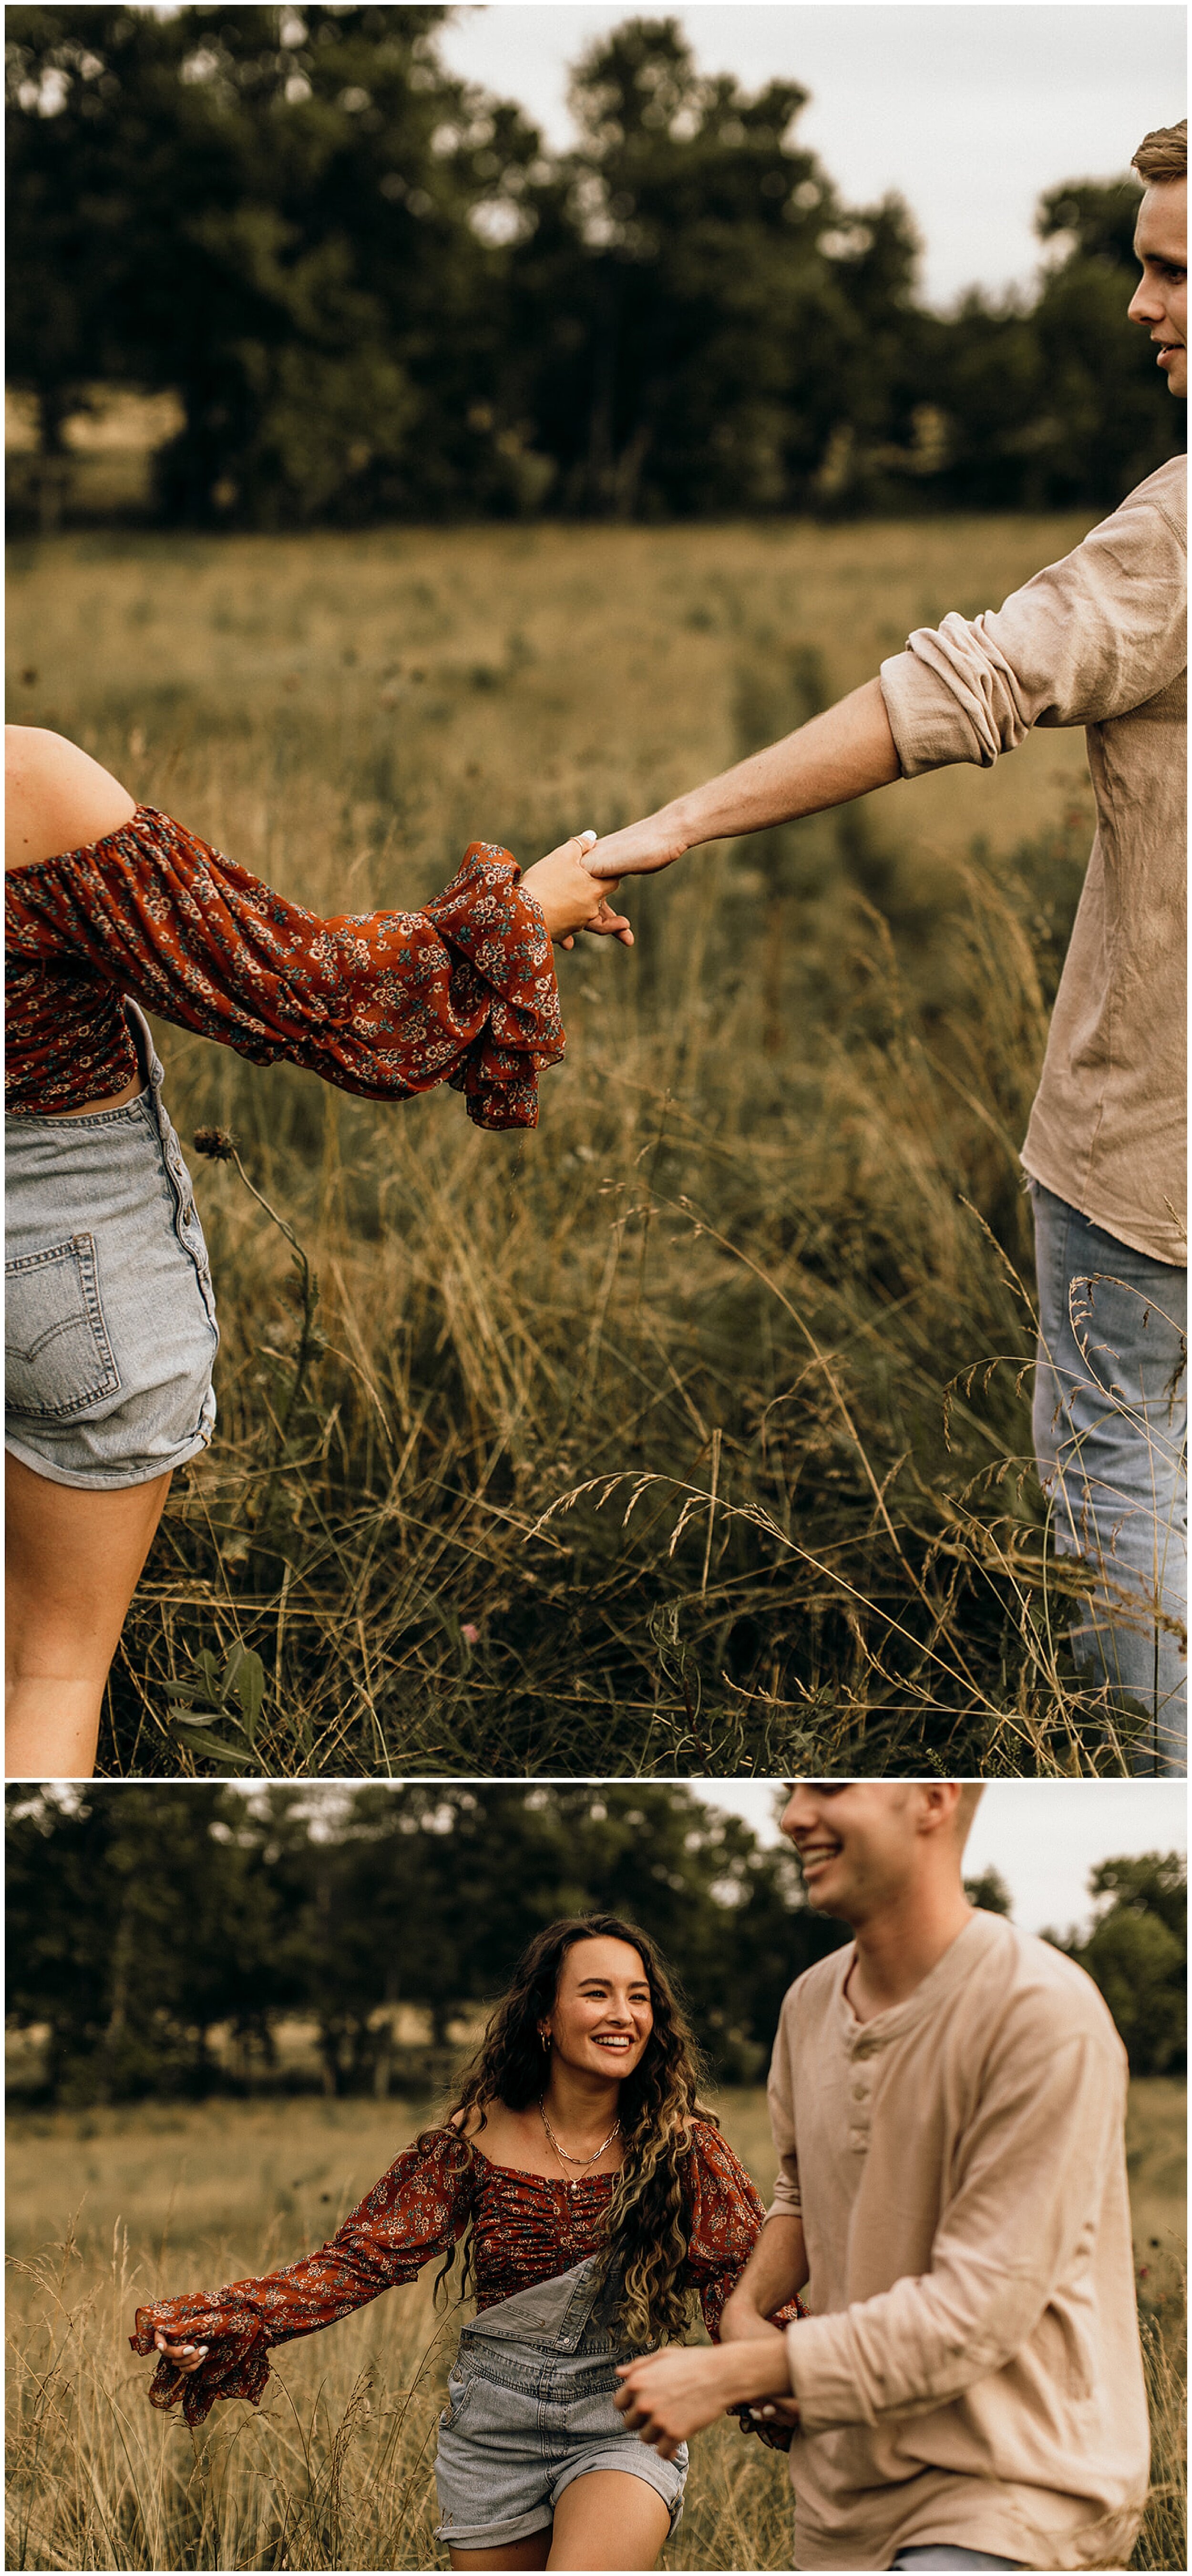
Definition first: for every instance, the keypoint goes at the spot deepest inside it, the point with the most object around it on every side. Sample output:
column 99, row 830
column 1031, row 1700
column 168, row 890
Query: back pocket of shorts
column 57, row 1356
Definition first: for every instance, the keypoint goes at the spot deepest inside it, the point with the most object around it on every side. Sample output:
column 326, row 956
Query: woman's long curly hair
column 647, row 2236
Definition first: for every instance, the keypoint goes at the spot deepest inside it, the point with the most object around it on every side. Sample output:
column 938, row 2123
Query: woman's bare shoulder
column 57, row 798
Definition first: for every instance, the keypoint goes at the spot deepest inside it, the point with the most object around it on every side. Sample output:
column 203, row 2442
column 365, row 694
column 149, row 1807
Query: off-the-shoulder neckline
column 555, row 2182
column 523, row 2173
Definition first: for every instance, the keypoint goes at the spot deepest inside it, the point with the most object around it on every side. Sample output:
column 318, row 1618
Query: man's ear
column 941, row 1805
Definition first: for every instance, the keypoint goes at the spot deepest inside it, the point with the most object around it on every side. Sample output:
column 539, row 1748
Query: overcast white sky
column 1043, row 1835
column 968, row 108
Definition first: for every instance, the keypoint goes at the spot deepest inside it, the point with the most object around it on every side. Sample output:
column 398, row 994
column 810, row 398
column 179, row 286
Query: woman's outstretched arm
column 217, row 2344
column 841, row 754
column 387, row 1004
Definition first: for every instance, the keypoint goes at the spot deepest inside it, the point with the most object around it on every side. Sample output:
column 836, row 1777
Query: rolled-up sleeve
column 1089, row 638
column 1029, row 2186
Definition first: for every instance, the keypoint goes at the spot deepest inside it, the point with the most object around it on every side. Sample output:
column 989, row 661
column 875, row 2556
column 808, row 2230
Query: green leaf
column 250, row 1684
column 214, row 1748
column 179, row 1693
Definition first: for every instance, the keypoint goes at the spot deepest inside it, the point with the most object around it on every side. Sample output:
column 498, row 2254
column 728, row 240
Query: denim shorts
column 530, row 2408
column 109, row 1330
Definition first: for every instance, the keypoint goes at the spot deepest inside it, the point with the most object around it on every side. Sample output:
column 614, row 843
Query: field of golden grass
column 111, row 2207
column 690, row 1432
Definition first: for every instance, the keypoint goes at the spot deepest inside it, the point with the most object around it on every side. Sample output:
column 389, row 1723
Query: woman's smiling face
column 602, row 2015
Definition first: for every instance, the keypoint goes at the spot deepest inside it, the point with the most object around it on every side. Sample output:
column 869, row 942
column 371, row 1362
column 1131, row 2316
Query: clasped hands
column 574, row 883
column 667, row 2396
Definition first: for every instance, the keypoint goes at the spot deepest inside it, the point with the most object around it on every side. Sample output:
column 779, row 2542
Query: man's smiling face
column 1160, row 303
column 856, row 1842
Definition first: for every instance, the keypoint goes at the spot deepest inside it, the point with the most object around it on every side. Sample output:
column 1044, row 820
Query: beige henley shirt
column 1098, row 640
column 970, row 2370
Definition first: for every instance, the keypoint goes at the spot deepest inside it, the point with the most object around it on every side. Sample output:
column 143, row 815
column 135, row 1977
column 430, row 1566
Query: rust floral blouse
column 525, row 2228
column 384, row 1003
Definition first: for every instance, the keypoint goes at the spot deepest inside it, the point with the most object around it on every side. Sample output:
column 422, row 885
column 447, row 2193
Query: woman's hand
column 572, row 899
column 184, row 2356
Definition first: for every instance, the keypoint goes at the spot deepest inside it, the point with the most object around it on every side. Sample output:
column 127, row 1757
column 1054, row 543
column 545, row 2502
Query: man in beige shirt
column 948, row 2103
column 1098, row 640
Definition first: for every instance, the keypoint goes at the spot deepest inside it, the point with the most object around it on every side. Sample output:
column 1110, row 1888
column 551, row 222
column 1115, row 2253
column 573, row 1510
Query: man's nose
column 1145, row 305
column 798, row 1813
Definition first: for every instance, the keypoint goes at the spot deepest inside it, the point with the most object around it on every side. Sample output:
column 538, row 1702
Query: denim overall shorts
column 530, row 2407
column 109, row 1311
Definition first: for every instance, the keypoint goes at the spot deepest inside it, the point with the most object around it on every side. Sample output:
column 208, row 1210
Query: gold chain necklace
column 564, row 2153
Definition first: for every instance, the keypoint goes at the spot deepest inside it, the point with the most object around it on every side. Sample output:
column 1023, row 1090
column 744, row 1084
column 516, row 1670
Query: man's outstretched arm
column 839, row 755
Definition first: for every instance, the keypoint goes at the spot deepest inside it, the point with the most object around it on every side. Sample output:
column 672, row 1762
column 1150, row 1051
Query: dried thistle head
column 215, row 1142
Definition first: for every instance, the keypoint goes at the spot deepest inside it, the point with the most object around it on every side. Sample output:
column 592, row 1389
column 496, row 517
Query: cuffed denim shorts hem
column 530, row 2409
column 665, row 2476
column 114, row 1479
column 110, row 1331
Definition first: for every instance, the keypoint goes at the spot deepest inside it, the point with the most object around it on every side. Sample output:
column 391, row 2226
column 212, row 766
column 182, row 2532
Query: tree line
column 143, row 1921
column 376, row 293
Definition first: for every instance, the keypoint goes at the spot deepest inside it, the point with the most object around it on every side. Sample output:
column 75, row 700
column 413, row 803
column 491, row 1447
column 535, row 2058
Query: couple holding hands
column 114, row 908
column 936, row 2318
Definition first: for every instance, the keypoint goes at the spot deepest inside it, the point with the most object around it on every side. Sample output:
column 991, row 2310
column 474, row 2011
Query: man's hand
column 640, row 849
column 842, row 753
column 669, row 2395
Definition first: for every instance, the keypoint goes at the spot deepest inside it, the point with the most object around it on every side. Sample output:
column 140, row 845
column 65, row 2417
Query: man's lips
column 818, row 1855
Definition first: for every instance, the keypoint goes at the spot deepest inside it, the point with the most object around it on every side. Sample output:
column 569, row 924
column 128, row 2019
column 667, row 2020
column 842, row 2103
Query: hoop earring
column 544, row 2038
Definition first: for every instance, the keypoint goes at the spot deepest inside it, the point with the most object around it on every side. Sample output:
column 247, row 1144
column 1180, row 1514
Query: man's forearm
column 841, row 754
column 776, row 2270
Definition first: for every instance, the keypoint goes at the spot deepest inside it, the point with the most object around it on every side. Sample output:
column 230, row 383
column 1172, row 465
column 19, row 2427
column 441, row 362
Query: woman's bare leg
column 608, row 2518
column 530, row 2552
column 73, row 1562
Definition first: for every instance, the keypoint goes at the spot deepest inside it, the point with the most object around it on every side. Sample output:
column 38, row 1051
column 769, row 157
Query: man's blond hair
column 1162, row 155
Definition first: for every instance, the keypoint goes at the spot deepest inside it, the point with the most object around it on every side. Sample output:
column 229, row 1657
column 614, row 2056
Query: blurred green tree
column 989, row 1892
column 142, row 1917
column 1137, row 1953
column 377, row 295
column 692, row 299
column 135, row 1923
column 268, row 210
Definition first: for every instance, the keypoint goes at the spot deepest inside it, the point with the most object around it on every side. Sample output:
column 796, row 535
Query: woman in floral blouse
column 595, row 2199
column 110, row 1325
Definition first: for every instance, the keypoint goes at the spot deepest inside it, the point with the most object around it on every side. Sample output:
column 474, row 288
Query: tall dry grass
column 692, row 1431
column 336, row 2469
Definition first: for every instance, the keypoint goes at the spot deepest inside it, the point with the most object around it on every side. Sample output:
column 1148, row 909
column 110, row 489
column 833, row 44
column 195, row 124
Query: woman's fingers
column 184, row 2356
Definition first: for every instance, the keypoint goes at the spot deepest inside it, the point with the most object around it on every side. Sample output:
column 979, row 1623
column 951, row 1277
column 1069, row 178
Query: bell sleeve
column 726, row 2217
column 384, row 1004
column 417, row 2211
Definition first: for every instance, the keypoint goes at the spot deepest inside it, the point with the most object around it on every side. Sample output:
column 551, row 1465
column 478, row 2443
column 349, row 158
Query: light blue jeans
column 945, row 2553
column 1110, row 1429
column 530, row 2409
